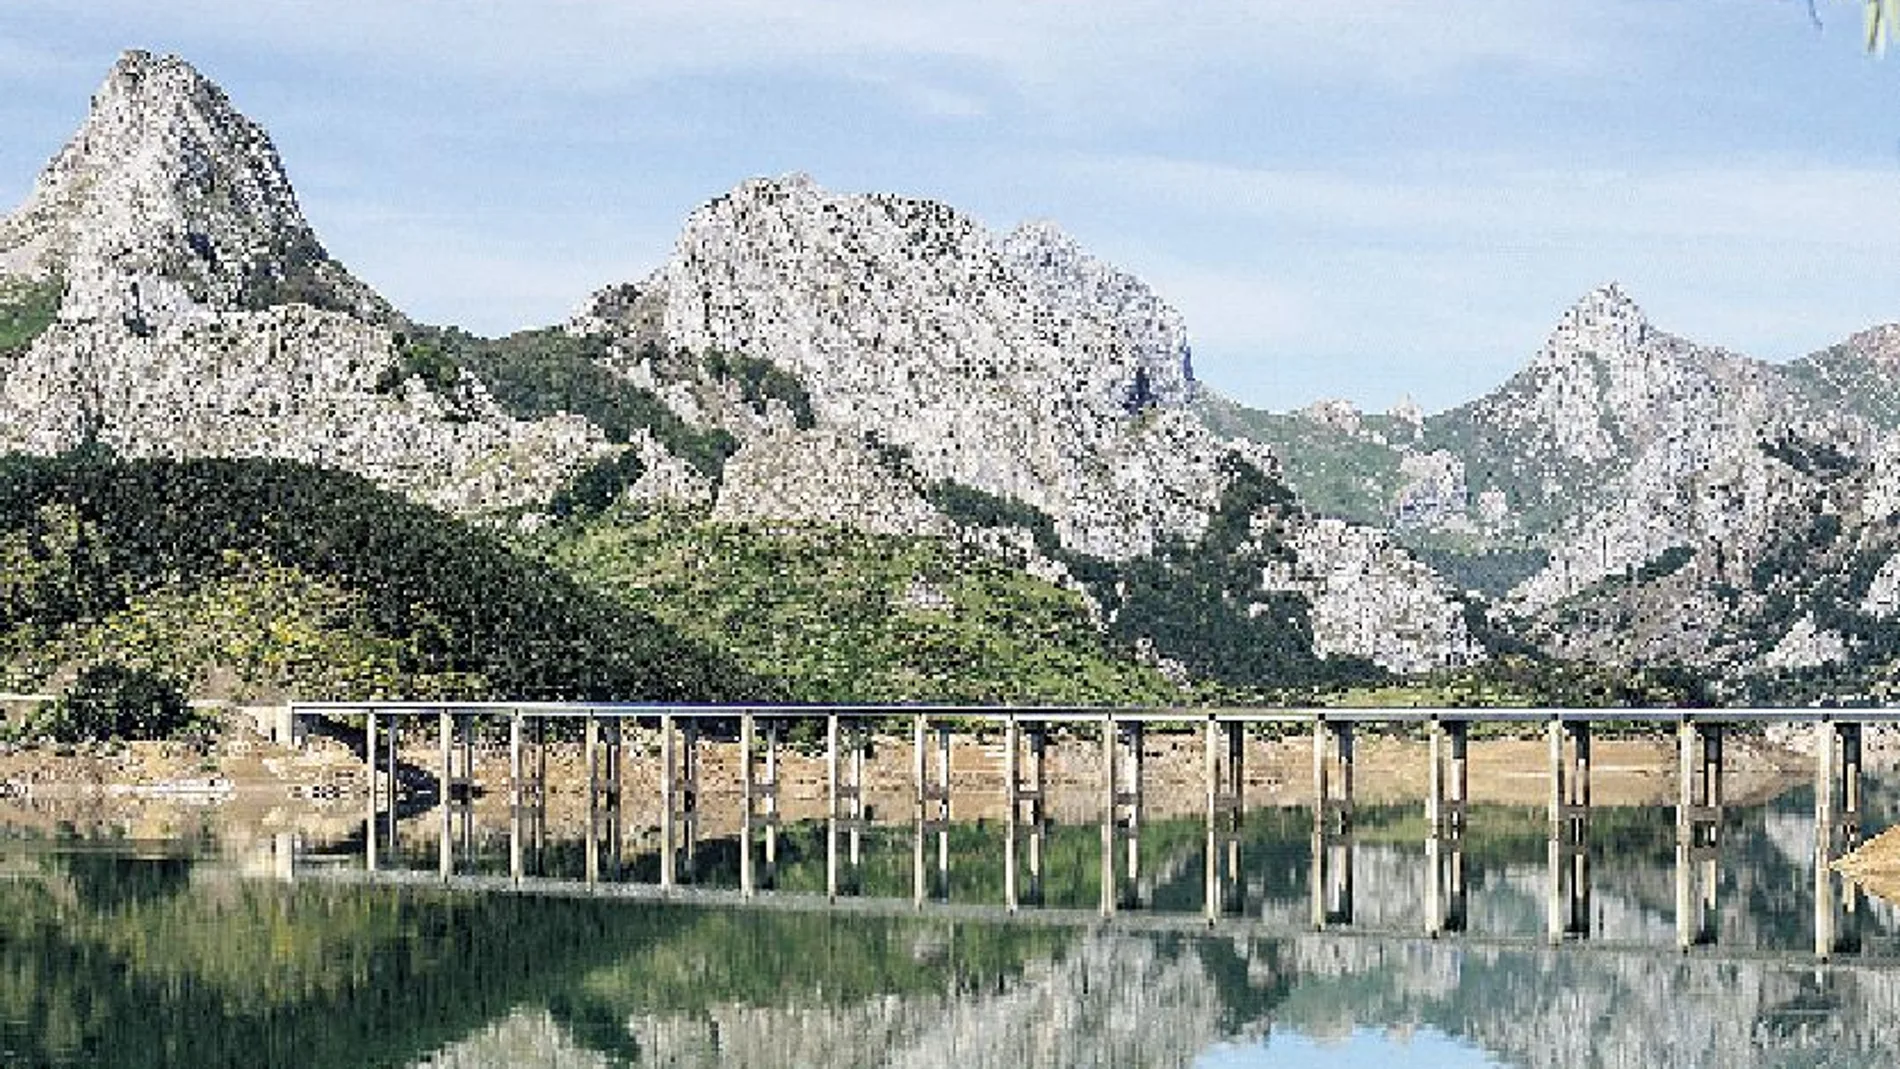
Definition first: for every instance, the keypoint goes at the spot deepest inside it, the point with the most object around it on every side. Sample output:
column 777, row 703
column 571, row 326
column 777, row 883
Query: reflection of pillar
column 369, row 761
column 1455, row 883
column 1339, row 862
column 1316, row 877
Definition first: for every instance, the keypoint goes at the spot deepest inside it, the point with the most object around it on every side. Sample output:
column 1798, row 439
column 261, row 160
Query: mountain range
column 807, row 361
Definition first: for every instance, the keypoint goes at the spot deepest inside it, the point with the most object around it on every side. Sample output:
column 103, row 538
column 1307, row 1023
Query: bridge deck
column 1121, row 714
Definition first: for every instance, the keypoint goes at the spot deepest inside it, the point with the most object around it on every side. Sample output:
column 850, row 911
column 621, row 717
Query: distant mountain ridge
column 1636, row 498
column 872, row 361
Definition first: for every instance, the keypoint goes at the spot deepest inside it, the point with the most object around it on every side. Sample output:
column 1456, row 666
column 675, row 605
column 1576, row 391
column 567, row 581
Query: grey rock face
column 1020, row 366
column 168, row 203
column 904, row 318
column 202, row 318
column 820, row 476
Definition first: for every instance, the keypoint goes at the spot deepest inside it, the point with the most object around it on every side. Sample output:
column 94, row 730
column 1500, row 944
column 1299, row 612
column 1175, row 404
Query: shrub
column 112, row 701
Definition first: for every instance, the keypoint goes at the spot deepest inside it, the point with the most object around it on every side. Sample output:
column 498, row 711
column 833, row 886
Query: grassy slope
column 843, row 615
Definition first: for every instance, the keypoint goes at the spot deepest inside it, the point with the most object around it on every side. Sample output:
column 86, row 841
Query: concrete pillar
column 920, row 768
column 1038, row 824
column 1824, row 825
column 831, row 806
column 514, row 797
column 1554, row 733
column 445, row 848
column 1108, row 817
column 1012, row 803
column 669, row 801
column 1343, row 744
column 689, row 795
column 1685, row 831
column 1319, row 765
column 858, row 748
column 1850, row 784
column 943, row 810
column 1553, row 903
column 1211, row 765
column 1460, row 780
column 771, row 802
column 395, row 741
column 1236, row 803
column 369, row 760
column 1434, row 828
column 747, row 887
column 1135, row 735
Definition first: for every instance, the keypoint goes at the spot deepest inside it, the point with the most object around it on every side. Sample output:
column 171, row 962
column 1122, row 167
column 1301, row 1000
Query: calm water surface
column 115, row 953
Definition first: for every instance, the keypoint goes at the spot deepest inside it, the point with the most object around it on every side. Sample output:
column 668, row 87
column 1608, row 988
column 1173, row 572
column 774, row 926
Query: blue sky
column 1362, row 200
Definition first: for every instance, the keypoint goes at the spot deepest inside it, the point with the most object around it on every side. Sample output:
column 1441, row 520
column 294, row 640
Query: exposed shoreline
column 244, row 785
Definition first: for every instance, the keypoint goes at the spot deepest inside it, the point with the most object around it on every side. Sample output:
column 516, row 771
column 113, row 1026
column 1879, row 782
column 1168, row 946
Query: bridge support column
column 591, row 744
column 831, row 806
column 747, row 886
column 1037, row 811
column 369, row 763
column 445, row 849
column 1824, row 824
column 669, row 802
column 1108, row 817
column 1012, row 808
column 921, row 768
column 1211, row 767
column 515, row 795
column 1434, row 828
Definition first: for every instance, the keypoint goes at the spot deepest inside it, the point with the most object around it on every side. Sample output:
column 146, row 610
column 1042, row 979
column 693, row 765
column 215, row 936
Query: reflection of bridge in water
column 763, row 733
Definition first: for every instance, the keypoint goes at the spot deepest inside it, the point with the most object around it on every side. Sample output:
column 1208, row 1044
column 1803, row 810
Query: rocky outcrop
column 1372, row 599
column 168, row 203
column 1018, row 366
column 201, row 317
column 820, row 476
column 909, row 320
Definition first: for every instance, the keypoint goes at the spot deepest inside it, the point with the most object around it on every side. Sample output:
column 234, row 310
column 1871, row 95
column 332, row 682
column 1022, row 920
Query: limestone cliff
column 1018, row 366
column 198, row 315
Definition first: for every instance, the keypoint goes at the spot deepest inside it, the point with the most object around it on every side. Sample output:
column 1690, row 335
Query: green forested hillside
column 279, row 578
column 843, row 615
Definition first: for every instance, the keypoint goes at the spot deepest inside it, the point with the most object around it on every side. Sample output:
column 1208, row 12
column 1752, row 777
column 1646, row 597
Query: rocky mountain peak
column 169, row 203
column 1605, row 322
column 1065, row 276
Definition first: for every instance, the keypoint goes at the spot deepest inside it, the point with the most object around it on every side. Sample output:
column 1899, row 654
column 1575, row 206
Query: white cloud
column 1489, row 202
column 1070, row 55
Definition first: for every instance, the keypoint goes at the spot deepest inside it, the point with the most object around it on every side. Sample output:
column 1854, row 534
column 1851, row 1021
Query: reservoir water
column 196, row 950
